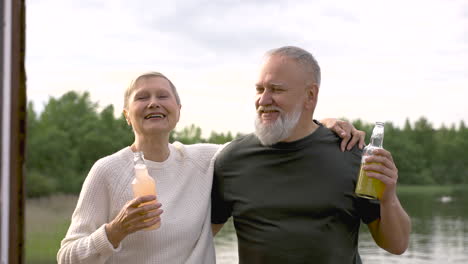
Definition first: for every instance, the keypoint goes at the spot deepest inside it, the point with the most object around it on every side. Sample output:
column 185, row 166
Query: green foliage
column 425, row 156
column 65, row 140
column 189, row 135
column 220, row 138
column 39, row 184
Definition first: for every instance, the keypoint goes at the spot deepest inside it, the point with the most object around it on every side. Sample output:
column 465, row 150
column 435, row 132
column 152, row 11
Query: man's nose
column 265, row 98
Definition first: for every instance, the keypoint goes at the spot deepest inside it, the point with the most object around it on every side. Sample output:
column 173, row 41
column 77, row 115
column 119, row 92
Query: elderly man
column 288, row 186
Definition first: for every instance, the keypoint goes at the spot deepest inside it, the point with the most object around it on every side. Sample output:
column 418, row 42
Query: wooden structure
column 12, row 129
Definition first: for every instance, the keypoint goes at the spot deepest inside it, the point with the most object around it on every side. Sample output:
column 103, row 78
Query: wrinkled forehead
column 280, row 70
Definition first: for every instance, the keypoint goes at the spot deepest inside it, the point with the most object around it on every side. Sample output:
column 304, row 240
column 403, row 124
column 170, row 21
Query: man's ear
column 312, row 96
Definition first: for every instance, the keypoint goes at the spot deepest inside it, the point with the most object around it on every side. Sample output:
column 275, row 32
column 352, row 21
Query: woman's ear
column 127, row 118
column 178, row 116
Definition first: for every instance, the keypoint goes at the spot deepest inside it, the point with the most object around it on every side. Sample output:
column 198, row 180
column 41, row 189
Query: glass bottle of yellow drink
column 368, row 187
column 143, row 183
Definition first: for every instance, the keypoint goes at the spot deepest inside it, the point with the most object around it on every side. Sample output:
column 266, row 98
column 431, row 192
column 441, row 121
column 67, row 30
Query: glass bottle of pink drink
column 143, row 183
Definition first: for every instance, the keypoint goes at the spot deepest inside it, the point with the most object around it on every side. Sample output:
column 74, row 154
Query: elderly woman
column 106, row 219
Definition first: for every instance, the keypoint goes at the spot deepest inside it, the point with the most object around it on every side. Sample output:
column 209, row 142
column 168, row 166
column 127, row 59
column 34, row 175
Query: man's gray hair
column 301, row 56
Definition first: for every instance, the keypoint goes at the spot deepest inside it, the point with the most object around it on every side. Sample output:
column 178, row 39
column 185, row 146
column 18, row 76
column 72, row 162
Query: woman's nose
column 153, row 103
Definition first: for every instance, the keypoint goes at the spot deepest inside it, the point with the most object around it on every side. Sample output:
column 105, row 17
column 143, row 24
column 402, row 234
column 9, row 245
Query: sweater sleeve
column 86, row 240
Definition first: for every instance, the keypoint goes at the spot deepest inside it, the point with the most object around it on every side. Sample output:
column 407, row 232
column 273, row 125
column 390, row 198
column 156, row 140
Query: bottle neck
column 377, row 136
column 141, row 171
column 377, row 142
column 138, row 158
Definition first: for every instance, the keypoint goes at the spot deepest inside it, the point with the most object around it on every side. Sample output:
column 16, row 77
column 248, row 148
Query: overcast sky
column 380, row 60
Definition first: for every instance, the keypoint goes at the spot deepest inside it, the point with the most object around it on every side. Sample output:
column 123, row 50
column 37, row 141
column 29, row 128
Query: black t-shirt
column 291, row 202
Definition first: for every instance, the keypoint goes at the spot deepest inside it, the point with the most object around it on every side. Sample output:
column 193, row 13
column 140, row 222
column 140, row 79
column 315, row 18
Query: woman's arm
column 133, row 217
column 86, row 240
column 91, row 238
column 346, row 131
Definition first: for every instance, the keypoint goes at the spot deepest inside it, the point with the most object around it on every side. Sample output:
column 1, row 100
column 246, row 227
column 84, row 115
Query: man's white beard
column 282, row 128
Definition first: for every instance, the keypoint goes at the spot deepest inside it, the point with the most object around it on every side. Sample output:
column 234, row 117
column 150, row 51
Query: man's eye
column 260, row 90
column 277, row 90
column 163, row 96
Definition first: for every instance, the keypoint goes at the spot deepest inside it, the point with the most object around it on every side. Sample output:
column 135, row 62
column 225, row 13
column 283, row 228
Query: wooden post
column 13, row 130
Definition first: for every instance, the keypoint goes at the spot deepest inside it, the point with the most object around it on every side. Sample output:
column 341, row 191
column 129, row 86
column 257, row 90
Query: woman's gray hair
column 301, row 56
column 146, row 76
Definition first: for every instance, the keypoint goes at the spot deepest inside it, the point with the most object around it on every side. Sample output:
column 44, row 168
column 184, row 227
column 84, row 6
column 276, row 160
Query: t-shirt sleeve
column 221, row 209
column 369, row 210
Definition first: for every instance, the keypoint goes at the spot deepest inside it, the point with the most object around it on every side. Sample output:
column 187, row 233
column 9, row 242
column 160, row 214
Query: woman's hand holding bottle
column 134, row 217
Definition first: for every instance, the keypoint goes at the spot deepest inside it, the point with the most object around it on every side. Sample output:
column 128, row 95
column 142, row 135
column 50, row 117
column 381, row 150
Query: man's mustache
column 262, row 109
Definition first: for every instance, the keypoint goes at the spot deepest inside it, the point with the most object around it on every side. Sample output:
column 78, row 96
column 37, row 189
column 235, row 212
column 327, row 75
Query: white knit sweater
column 184, row 188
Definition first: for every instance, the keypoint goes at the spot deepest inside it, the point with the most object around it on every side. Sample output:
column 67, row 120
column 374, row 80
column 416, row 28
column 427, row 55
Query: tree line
column 70, row 134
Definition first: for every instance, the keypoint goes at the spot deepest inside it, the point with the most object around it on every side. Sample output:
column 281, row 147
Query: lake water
column 439, row 233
